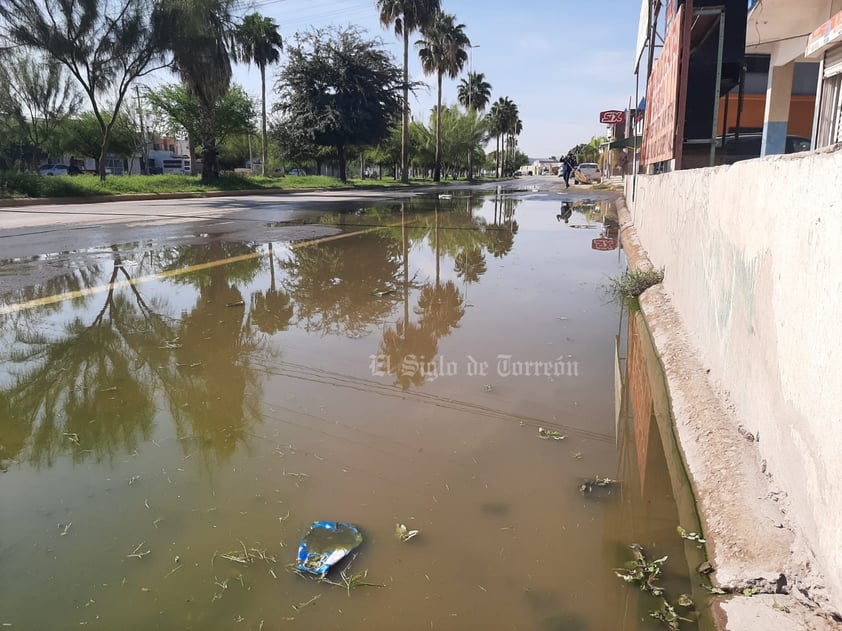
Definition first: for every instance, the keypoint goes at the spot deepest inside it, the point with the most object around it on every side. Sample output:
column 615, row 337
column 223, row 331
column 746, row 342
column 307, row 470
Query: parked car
column 59, row 169
column 296, row 172
column 587, row 173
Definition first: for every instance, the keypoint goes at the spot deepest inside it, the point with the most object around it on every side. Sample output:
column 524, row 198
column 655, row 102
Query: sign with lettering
column 604, row 244
column 612, row 117
column 659, row 127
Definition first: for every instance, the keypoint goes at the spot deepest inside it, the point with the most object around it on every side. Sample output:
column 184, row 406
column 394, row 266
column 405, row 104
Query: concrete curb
column 751, row 542
column 143, row 197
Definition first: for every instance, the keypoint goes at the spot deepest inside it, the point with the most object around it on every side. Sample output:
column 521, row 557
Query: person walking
column 567, row 166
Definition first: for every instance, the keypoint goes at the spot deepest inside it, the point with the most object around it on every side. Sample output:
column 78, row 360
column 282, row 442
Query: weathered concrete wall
column 753, row 261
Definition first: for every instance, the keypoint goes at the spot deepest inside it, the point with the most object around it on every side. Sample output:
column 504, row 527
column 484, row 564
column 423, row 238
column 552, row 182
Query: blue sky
column 562, row 62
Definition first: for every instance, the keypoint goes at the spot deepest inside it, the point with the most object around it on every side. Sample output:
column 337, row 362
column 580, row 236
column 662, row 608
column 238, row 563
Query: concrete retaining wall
column 753, row 261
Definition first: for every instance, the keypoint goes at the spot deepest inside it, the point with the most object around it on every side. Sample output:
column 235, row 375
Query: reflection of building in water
column 655, row 492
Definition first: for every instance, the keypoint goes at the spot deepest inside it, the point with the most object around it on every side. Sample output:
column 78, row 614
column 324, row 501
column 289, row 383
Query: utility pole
column 144, row 165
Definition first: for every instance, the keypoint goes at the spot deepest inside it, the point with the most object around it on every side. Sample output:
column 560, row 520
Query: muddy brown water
column 173, row 418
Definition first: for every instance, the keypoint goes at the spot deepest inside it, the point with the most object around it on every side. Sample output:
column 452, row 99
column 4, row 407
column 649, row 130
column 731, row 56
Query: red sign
column 659, row 128
column 612, row 117
column 604, row 244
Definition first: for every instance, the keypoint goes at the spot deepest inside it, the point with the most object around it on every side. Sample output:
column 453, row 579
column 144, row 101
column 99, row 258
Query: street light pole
column 471, row 72
column 470, row 95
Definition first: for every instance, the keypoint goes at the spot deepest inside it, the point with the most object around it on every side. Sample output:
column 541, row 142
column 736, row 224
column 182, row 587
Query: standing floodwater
column 175, row 416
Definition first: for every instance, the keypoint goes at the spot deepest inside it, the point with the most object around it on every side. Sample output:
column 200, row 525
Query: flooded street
column 175, row 413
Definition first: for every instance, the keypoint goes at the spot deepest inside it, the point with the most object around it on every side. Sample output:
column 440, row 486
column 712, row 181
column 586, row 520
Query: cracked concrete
column 752, row 542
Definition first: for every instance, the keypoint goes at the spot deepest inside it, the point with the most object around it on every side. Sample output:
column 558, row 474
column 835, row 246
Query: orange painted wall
column 754, row 106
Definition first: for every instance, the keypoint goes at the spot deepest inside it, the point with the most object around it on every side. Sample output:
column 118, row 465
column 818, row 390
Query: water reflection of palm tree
column 271, row 310
column 470, row 266
column 218, row 395
column 440, row 308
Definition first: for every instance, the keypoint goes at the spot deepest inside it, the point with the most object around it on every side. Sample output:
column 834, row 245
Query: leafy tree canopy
column 339, row 88
column 234, row 113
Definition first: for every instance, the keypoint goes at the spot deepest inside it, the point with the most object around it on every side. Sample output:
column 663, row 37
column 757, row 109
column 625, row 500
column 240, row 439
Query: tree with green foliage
column 462, row 136
column 233, row 112
column 260, row 42
column 407, row 16
column 200, row 35
column 79, row 136
column 474, row 93
column 339, row 89
column 505, row 123
column 104, row 45
column 39, row 95
column 443, row 51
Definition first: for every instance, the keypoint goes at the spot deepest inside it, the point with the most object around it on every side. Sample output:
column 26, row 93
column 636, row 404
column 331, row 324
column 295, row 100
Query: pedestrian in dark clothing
column 566, row 212
column 567, row 166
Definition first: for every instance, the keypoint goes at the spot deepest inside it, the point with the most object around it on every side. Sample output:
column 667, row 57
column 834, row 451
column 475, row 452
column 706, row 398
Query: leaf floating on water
column 685, row 601
column 239, row 303
column 546, row 434
column 403, row 533
column 383, row 292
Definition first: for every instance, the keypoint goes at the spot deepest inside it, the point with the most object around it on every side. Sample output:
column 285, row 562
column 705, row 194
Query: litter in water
column 325, row 544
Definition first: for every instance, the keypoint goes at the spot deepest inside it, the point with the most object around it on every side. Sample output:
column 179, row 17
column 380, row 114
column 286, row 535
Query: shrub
column 632, row 283
column 20, row 184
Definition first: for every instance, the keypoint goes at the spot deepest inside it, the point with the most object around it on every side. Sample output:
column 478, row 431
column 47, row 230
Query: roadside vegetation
column 338, row 106
column 16, row 185
column 633, row 282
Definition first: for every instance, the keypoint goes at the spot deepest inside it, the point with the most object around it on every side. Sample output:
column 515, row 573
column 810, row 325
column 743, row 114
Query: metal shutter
column 833, row 62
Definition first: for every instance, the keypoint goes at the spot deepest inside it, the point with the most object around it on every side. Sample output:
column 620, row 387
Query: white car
column 588, row 173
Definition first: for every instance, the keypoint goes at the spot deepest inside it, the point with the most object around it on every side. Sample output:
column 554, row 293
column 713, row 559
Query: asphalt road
column 38, row 242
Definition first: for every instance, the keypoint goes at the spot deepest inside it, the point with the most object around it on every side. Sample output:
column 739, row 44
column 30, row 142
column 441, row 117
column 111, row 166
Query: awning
column 631, row 141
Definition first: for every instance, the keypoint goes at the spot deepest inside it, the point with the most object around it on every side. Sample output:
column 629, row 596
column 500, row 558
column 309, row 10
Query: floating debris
column 383, row 292
column 325, row 544
column 546, row 434
column 238, row 303
column 641, row 571
column 668, row 616
column 595, row 483
column 403, row 533
column 689, row 536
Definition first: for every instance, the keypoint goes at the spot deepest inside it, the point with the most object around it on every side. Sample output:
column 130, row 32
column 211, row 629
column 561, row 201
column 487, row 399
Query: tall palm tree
column 200, row 36
column 474, row 92
column 495, row 117
column 260, row 42
column 407, row 16
column 443, row 51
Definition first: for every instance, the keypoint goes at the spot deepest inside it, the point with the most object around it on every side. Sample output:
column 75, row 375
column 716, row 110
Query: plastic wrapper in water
column 325, row 544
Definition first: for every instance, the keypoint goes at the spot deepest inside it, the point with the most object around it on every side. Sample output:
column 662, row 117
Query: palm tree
column 442, row 51
column 474, row 92
column 260, row 42
column 505, row 124
column 200, row 36
column 495, row 126
column 505, row 121
column 407, row 16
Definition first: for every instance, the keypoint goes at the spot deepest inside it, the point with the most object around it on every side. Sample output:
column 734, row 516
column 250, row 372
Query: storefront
column 825, row 44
